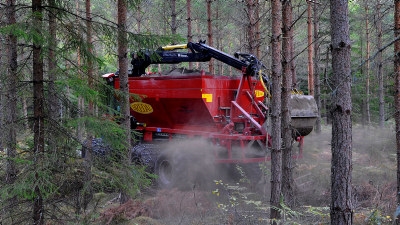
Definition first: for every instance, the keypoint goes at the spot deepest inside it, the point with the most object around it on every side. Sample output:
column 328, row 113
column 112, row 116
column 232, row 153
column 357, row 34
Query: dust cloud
column 193, row 165
column 374, row 177
column 374, row 167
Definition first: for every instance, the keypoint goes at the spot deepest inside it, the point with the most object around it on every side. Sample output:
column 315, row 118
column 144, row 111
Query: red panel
column 188, row 101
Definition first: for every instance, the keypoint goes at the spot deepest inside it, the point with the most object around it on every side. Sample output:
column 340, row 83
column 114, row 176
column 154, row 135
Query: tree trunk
column 81, row 100
column 397, row 97
column 87, row 191
column 139, row 18
column 381, row 90
column 38, row 112
column 173, row 23
column 257, row 30
column 123, row 75
column 251, row 34
column 310, row 51
column 54, row 106
column 317, row 82
column 173, row 17
column 10, row 141
column 8, row 121
column 189, row 26
column 367, row 69
column 293, row 64
column 326, row 100
column 3, row 67
column 217, row 37
column 210, row 34
column 287, row 55
column 341, row 166
column 276, row 152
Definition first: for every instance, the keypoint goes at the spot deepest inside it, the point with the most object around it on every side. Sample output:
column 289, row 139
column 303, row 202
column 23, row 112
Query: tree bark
column 189, row 26
column 397, row 98
column 341, row 166
column 276, row 152
column 367, row 72
column 218, row 38
column 251, row 33
column 54, row 106
column 123, row 76
column 139, row 18
column 326, row 104
column 81, row 100
column 38, row 111
column 381, row 90
column 293, row 61
column 310, row 50
column 3, row 67
column 210, row 34
column 173, row 16
column 287, row 55
column 257, row 30
column 88, row 190
column 317, row 82
column 10, row 106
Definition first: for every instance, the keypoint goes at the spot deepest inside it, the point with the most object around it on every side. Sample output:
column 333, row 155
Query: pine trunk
column 276, row 151
column 257, row 30
column 10, row 106
column 123, row 76
column 8, row 120
column 381, row 89
column 38, row 112
column 54, row 106
column 251, row 34
column 310, row 50
column 173, row 22
column 287, row 54
column 317, row 82
column 367, row 72
column 210, row 34
column 341, row 211
column 88, row 192
column 173, row 17
column 189, row 26
column 397, row 97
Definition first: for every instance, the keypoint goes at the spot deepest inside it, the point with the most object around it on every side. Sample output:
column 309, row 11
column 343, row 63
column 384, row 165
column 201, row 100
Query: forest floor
column 374, row 190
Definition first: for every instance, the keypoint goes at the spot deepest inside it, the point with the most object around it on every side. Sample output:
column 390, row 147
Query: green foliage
column 375, row 217
column 16, row 30
column 321, row 213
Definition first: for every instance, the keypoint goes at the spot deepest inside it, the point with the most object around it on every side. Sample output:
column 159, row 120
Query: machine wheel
column 186, row 165
column 181, row 166
column 145, row 155
column 165, row 171
column 173, row 171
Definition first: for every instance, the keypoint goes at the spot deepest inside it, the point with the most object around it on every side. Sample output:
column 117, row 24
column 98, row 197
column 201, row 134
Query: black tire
column 99, row 147
column 164, row 169
column 173, row 171
column 185, row 165
column 145, row 155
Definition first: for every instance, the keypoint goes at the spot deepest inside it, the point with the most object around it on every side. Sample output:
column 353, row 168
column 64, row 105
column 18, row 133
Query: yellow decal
column 208, row 97
column 259, row 94
column 141, row 107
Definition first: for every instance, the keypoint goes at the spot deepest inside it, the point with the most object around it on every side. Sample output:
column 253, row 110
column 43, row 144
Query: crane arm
column 199, row 52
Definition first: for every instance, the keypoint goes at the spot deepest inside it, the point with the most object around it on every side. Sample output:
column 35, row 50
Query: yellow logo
column 141, row 107
column 259, row 93
column 208, row 97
